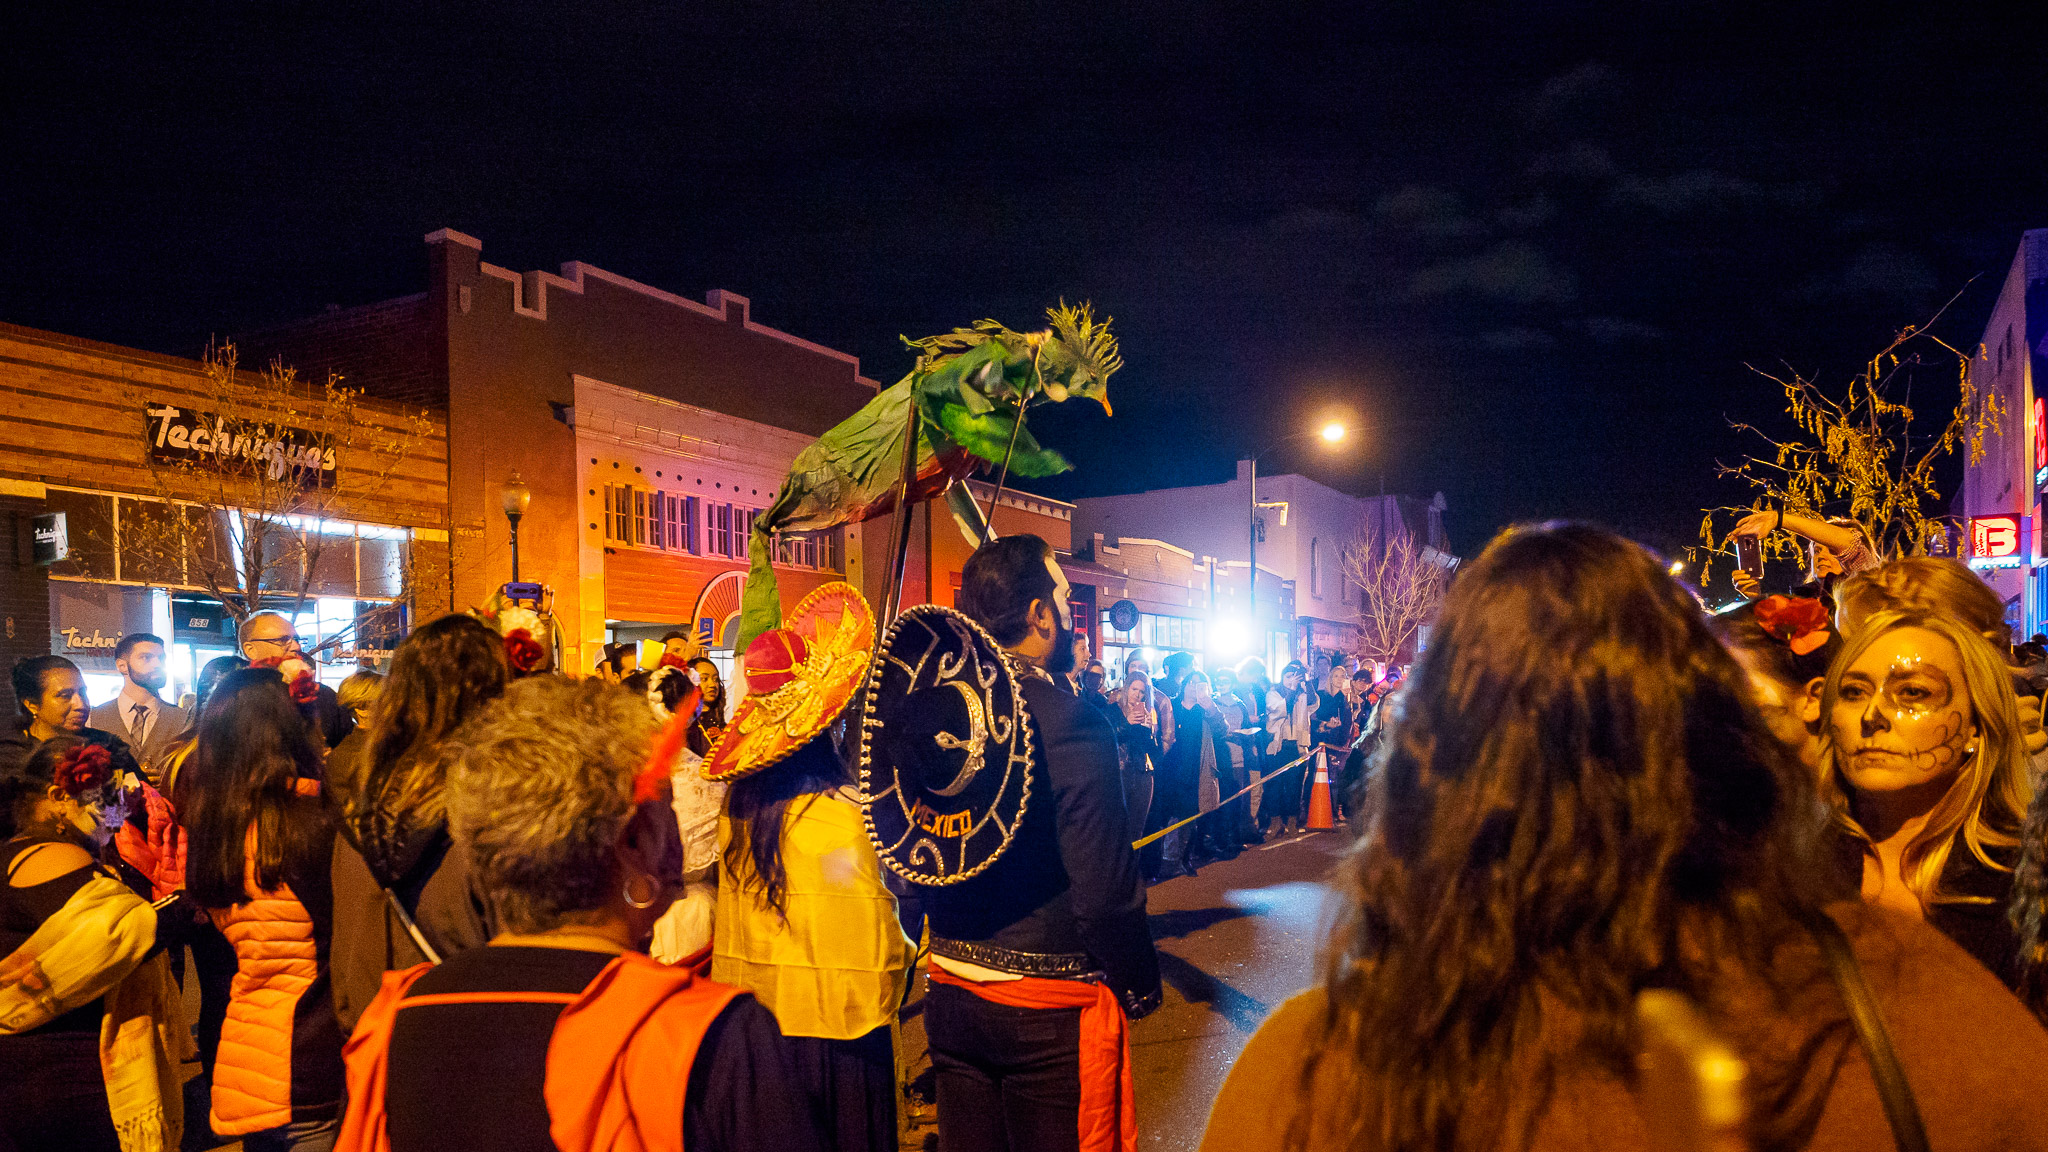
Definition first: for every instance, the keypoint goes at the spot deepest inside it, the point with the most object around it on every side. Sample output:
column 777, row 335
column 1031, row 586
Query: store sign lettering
column 1994, row 537
column 75, row 640
column 177, row 436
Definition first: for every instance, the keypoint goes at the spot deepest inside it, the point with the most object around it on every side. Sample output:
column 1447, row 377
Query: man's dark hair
column 674, row 634
column 1001, row 580
column 129, row 642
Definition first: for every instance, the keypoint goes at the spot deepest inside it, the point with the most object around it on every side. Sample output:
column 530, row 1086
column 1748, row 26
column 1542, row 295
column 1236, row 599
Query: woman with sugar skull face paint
column 1927, row 769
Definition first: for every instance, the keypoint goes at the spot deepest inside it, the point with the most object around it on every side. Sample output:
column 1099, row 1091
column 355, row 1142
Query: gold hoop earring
column 639, row 905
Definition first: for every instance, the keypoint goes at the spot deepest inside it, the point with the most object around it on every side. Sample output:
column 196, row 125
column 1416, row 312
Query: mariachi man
column 996, row 790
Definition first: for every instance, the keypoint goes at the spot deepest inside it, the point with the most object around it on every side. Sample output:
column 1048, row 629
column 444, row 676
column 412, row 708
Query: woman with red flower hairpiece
column 1785, row 644
column 77, row 961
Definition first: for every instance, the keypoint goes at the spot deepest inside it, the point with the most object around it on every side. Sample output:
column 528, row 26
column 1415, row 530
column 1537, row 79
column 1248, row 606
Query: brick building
column 89, row 429
column 651, row 428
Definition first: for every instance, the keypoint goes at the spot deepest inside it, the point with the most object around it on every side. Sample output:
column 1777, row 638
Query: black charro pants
column 1009, row 1079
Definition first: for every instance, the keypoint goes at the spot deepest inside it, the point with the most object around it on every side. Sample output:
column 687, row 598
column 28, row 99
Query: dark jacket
column 1179, row 791
column 418, row 862
column 1969, row 905
column 1332, row 706
column 1069, row 882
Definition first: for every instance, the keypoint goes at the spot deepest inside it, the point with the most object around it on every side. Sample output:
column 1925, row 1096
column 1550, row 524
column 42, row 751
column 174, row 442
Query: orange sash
column 618, row 1062
column 1109, row 1112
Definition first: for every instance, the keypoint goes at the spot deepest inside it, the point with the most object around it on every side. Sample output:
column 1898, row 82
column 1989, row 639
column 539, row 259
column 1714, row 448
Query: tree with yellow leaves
column 1857, row 455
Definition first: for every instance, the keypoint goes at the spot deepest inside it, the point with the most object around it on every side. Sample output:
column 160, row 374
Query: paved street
column 1234, row 941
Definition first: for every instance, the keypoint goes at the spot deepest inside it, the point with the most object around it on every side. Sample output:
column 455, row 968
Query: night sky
column 1530, row 250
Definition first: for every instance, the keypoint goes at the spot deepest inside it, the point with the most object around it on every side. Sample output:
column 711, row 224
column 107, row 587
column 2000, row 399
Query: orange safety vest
column 1109, row 1113
column 617, row 1064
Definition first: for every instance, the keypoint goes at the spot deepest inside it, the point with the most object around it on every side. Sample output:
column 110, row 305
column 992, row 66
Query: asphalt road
column 1234, row 941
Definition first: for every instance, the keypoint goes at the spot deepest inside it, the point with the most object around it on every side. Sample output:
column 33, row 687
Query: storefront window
column 380, row 566
column 89, row 523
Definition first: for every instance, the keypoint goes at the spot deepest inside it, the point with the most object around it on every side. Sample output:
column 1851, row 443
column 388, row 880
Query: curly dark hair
column 442, row 674
column 1620, row 793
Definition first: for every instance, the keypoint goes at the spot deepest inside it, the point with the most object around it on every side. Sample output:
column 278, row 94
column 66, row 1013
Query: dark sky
column 1530, row 247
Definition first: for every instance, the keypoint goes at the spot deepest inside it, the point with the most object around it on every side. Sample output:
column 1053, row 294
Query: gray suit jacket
column 171, row 722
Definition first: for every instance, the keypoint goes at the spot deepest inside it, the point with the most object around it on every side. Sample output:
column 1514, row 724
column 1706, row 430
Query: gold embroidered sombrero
column 799, row 679
column 946, row 749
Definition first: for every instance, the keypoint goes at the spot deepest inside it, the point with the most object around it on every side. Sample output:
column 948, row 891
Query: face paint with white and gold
column 1902, row 715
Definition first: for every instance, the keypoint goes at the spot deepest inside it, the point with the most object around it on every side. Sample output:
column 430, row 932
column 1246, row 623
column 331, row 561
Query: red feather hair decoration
column 661, row 758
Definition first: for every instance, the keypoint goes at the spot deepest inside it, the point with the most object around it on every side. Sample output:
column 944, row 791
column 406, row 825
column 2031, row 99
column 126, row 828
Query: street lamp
column 515, row 496
column 1331, row 433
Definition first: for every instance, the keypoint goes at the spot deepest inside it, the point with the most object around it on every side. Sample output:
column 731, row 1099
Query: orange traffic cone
column 1320, row 818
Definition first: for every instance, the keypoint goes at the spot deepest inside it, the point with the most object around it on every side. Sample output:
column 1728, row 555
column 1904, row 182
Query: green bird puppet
column 970, row 389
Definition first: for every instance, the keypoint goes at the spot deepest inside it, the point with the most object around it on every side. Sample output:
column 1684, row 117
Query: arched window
column 1315, row 566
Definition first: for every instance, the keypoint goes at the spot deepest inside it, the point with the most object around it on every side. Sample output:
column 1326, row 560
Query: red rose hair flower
column 1802, row 624
column 84, row 769
column 522, row 651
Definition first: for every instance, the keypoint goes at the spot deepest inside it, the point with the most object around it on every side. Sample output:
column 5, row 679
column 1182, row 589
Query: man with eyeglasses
column 270, row 636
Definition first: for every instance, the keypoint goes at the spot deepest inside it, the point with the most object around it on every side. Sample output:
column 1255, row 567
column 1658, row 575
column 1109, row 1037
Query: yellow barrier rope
column 1265, row 779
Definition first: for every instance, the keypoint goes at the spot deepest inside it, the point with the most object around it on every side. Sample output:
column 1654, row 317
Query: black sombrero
column 945, row 749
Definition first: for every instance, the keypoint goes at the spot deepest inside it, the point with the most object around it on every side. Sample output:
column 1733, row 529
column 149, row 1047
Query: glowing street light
column 1677, row 566
column 515, row 496
column 1331, row 433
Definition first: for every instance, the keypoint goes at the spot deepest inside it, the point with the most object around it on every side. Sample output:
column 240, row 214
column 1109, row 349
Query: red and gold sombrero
column 800, row 677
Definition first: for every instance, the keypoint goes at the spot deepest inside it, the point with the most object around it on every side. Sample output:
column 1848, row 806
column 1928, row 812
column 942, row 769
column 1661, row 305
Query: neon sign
column 2041, row 432
column 1996, row 537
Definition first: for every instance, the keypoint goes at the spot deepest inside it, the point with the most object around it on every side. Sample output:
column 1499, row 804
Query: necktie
column 140, row 725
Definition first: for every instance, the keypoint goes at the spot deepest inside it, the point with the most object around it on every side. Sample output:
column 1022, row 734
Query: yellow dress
column 835, row 969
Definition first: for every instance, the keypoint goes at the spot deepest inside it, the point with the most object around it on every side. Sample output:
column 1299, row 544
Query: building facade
column 1152, row 599
column 649, row 427
column 2001, row 500
column 109, row 468
column 1303, row 600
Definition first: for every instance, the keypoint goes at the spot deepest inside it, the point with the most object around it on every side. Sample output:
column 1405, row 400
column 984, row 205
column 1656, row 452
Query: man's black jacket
column 1069, row 882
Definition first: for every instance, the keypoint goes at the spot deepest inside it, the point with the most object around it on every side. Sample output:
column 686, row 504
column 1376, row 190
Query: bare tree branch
column 1401, row 582
column 1855, row 453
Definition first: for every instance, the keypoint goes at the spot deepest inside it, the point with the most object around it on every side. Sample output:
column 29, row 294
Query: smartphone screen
column 1749, row 555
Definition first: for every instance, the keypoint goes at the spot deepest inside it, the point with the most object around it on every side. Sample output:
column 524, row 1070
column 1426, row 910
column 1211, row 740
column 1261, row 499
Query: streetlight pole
column 1251, row 521
column 515, row 497
column 1331, row 433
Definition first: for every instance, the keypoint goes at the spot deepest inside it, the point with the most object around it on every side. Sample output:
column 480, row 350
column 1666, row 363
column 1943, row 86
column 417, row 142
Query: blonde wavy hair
column 1986, row 804
column 1922, row 584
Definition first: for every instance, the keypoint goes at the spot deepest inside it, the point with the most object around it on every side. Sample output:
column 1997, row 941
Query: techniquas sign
column 177, row 436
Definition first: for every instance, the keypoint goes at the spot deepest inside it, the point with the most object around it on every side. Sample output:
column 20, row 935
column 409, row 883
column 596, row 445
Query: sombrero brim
column 946, row 836
column 838, row 631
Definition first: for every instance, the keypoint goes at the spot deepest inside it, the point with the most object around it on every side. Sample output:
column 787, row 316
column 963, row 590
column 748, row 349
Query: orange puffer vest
column 276, row 961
